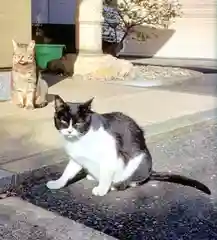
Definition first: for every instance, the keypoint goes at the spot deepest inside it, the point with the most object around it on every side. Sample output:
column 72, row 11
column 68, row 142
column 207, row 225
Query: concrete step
column 24, row 221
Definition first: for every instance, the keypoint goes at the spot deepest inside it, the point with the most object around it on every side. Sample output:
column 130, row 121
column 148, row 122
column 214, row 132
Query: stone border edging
column 155, row 83
column 151, row 83
column 52, row 223
column 181, row 124
column 199, row 64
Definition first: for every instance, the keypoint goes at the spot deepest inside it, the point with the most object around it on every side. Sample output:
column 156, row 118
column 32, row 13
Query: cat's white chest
column 93, row 150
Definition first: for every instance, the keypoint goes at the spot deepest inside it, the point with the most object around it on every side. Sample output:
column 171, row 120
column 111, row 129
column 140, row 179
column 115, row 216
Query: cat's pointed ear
column 14, row 44
column 58, row 103
column 87, row 105
column 31, row 45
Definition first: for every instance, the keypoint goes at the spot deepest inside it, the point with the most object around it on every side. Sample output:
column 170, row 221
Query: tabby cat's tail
column 175, row 178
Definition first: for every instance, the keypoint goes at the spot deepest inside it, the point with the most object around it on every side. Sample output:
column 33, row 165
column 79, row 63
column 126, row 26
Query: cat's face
column 23, row 53
column 72, row 120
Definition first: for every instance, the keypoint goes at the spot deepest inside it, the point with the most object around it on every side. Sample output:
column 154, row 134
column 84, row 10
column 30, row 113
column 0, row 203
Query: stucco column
column 88, row 27
column 88, row 34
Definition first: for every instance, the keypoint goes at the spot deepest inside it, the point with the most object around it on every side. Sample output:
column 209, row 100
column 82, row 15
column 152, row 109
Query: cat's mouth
column 23, row 63
column 71, row 135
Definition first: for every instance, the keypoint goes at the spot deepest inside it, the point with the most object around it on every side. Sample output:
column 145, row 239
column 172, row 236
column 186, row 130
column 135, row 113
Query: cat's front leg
column 105, row 182
column 20, row 99
column 71, row 170
column 89, row 177
column 30, row 100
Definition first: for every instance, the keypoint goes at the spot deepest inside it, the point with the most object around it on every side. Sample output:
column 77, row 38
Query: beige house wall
column 15, row 23
column 192, row 36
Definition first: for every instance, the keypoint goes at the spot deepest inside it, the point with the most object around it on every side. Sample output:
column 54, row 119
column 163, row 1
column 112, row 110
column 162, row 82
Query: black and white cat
column 111, row 147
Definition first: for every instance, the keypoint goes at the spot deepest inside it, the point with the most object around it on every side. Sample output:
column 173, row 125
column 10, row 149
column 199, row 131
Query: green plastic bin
column 47, row 52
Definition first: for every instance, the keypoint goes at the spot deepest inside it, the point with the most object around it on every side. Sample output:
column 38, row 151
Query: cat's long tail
column 175, row 178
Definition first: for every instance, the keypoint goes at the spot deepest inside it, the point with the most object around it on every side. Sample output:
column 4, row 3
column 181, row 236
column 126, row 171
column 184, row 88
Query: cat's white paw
column 54, row 185
column 89, row 177
column 20, row 105
column 113, row 189
column 99, row 191
column 29, row 106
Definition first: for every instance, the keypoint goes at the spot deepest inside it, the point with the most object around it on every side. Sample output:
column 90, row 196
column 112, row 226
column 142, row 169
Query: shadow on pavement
column 153, row 211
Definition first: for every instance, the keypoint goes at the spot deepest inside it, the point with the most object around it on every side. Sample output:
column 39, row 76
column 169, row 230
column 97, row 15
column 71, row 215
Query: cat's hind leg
column 71, row 170
column 40, row 103
column 121, row 186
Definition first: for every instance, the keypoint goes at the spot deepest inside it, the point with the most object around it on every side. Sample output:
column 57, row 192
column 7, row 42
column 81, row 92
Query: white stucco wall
column 194, row 36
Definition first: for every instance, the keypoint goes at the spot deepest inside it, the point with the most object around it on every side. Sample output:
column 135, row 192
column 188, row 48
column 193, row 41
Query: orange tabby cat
column 29, row 89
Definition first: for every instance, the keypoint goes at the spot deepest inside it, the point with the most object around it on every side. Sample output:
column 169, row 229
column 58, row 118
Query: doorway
column 53, row 22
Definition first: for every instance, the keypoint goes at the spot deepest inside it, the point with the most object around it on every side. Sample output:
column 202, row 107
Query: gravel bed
column 148, row 73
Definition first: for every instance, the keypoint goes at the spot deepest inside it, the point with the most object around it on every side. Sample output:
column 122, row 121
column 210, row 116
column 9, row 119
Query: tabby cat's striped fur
column 29, row 89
